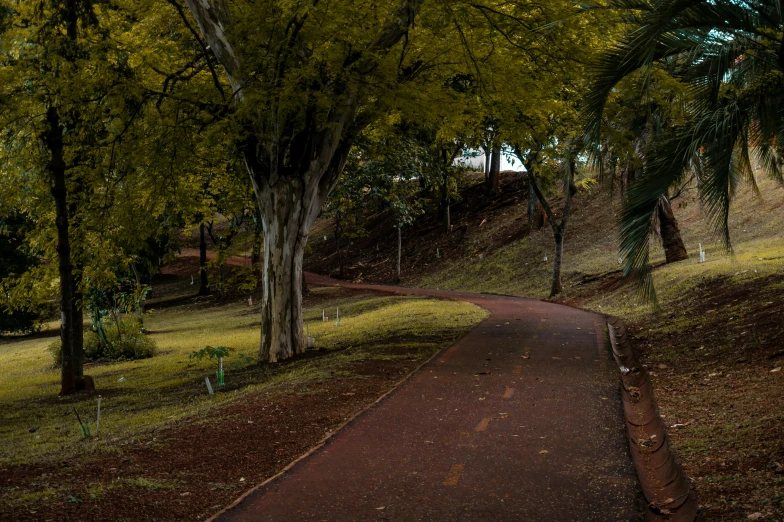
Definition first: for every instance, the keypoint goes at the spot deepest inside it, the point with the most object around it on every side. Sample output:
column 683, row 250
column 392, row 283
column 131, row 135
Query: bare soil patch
column 713, row 360
column 193, row 468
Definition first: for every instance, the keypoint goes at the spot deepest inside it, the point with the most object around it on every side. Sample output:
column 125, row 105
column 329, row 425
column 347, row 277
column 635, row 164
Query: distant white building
column 475, row 160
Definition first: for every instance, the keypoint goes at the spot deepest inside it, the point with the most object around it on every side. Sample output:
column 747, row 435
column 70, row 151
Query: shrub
column 18, row 321
column 127, row 344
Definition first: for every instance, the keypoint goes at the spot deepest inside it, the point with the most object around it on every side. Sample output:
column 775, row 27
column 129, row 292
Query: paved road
column 520, row 420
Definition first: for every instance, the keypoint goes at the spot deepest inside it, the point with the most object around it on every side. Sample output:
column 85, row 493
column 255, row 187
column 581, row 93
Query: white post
column 98, row 420
column 209, row 386
column 337, row 316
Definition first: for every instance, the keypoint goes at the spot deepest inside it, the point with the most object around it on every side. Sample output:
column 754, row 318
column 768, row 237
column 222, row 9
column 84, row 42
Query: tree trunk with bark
column 487, row 163
column 674, row 249
column 535, row 221
column 53, row 138
column 494, row 177
column 285, row 211
column 399, row 252
column 204, row 283
column 445, row 203
column 558, row 236
column 559, row 228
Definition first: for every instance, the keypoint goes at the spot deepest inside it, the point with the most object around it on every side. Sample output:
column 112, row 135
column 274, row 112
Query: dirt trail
column 519, row 420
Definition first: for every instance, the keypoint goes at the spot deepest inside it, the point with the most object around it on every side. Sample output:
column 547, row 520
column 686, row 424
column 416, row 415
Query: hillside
column 715, row 345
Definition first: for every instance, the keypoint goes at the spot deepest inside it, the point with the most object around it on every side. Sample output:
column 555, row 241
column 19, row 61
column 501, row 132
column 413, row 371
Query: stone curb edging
column 666, row 489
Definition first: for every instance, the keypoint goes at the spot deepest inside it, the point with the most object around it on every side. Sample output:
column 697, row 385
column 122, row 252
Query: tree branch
column 204, row 49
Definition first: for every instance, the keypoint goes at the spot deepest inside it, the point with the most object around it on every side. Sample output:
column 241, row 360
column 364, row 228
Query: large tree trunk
column 204, row 283
column 494, row 177
column 287, row 213
column 674, row 249
column 54, row 142
column 294, row 162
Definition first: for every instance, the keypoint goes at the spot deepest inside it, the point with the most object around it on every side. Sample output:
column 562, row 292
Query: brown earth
column 719, row 394
column 195, row 467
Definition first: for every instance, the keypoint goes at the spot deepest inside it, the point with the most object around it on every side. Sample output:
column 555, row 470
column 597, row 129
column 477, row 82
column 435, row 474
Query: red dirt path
column 520, row 420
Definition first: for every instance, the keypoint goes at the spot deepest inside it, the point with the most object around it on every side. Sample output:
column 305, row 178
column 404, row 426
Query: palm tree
column 730, row 54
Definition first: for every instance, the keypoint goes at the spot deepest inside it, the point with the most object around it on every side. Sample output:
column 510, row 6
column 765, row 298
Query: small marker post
column 98, row 420
column 209, row 386
column 337, row 317
column 220, row 372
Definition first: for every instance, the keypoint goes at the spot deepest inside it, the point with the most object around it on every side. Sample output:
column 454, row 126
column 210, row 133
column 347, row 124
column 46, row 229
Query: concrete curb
column 666, row 489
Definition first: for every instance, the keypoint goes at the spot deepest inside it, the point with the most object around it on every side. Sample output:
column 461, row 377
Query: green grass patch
column 138, row 396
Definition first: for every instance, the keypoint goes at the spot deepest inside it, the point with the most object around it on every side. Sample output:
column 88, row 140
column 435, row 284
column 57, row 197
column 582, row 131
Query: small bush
column 124, row 345
column 18, row 321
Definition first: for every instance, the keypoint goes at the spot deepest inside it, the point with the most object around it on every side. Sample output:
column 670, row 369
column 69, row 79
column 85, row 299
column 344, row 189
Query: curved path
column 519, row 420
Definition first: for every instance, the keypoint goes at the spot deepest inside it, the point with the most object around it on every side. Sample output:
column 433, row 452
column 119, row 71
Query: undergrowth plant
column 122, row 341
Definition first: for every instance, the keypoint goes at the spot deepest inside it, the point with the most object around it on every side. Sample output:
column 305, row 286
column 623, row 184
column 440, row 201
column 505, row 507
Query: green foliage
column 16, row 315
column 728, row 54
column 209, row 352
column 121, row 342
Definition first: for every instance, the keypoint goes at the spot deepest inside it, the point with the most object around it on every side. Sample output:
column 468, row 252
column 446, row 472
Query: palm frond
column 670, row 158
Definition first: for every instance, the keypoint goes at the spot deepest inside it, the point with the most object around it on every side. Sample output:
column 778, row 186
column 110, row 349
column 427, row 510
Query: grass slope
column 714, row 346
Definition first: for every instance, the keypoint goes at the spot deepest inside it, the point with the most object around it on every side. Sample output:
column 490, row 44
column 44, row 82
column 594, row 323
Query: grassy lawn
column 142, row 396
